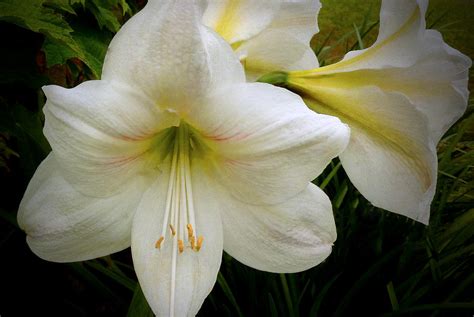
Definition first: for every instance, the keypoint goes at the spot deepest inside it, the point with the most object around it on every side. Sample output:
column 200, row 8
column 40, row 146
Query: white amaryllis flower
column 174, row 154
column 267, row 35
column 399, row 97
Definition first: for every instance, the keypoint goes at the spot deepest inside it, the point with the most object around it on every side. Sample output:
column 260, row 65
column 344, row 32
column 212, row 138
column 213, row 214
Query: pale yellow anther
column 158, row 242
column 193, row 242
column 199, row 243
column 190, row 230
column 173, row 231
column 180, row 246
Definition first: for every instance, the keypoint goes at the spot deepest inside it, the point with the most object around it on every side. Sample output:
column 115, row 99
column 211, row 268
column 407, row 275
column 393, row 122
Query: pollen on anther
column 199, row 243
column 173, row 231
column 158, row 242
column 193, row 242
column 190, row 230
column 180, row 246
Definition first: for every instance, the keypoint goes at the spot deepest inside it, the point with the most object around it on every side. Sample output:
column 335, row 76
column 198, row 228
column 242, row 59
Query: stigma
column 179, row 218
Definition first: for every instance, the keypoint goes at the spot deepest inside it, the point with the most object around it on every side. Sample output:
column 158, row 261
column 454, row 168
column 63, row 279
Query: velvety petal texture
column 64, row 225
column 289, row 237
column 101, row 133
column 268, row 145
column 399, row 97
column 267, row 35
column 147, row 54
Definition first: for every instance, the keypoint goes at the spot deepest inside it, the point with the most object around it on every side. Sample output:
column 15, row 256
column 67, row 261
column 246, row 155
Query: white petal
column 299, row 18
column 275, row 50
column 289, row 237
column 196, row 272
column 268, row 144
column 100, row 133
column 390, row 158
column 407, row 58
column 65, row 226
column 239, row 20
column 165, row 51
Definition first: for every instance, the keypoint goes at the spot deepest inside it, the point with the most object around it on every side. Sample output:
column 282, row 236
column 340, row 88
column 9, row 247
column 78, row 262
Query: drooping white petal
column 288, row 237
column 165, row 51
column 390, row 158
column 195, row 272
column 268, row 144
column 275, row 50
column 63, row 225
column 298, row 18
column 401, row 95
column 407, row 58
column 102, row 134
column 239, row 20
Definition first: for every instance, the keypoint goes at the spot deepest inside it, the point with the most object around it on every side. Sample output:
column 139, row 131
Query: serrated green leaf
column 63, row 5
column 104, row 15
column 92, row 46
column 125, row 7
column 34, row 16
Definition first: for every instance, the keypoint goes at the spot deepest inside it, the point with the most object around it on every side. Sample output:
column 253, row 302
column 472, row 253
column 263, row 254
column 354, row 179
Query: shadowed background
column 382, row 264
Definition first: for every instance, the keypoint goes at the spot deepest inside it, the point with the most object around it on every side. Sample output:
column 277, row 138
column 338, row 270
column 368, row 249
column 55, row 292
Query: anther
column 193, row 242
column 199, row 243
column 158, row 242
column 190, row 230
column 173, row 231
column 180, row 246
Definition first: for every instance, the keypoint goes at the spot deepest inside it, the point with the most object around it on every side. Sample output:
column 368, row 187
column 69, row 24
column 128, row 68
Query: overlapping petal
column 289, row 237
column 147, row 54
column 390, row 157
column 239, row 20
column 399, row 97
column 409, row 59
column 268, row 145
column 194, row 272
column 263, row 54
column 267, row 35
column 102, row 134
column 298, row 18
column 64, row 225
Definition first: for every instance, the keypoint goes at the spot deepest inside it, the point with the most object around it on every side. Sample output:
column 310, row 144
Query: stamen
column 179, row 209
column 169, row 194
column 190, row 231
column 173, row 231
column 199, row 243
column 158, row 242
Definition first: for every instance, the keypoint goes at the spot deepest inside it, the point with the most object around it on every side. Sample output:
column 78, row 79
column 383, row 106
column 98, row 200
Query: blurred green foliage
column 382, row 264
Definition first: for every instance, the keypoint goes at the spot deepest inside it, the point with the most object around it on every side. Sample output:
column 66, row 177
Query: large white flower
column 399, row 97
column 267, row 35
column 174, row 154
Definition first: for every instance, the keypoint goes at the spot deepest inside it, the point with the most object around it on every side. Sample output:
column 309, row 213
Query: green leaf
column 34, row 16
column 92, row 46
column 63, row 5
column 228, row 292
column 61, row 44
column 139, row 306
column 107, row 14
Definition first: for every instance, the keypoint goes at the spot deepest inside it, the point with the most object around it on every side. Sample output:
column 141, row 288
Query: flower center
column 179, row 219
